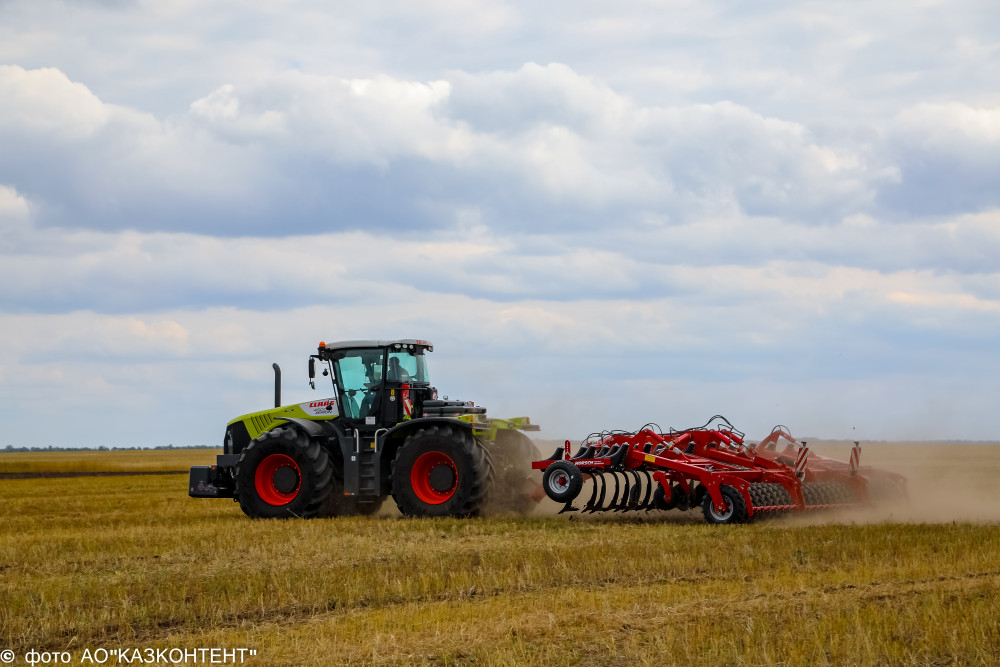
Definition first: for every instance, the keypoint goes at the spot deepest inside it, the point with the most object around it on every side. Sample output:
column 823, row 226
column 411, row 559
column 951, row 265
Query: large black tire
column 562, row 481
column 336, row 503
column 736, row 507
column 440, row 471
column 283, row 473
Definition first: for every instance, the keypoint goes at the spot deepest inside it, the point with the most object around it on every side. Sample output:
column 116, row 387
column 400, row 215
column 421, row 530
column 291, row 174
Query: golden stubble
column 131, row 561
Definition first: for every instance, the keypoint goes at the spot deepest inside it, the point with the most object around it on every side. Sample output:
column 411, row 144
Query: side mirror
column 312, row 372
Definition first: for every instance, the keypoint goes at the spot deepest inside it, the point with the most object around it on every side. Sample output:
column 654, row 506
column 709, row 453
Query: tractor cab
column 376, row 383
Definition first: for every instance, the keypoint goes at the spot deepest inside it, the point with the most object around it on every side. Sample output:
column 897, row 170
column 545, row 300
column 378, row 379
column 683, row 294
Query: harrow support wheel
column 736, row 507
column 281, row 474
column 562, row 481
column 440, row 471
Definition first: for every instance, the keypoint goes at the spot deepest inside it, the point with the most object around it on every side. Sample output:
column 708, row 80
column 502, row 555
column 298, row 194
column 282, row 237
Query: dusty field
column 131, row 562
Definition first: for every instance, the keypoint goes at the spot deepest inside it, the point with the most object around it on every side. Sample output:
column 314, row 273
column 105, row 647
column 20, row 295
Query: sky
column 601, row 214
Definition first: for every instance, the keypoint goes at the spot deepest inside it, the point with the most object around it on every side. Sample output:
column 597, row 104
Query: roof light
column 322, row 344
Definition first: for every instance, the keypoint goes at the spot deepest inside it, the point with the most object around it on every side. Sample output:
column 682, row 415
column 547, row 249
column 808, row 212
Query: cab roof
column 407, row 342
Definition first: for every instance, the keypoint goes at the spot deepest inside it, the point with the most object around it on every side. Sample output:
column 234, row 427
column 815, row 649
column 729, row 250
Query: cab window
column 359, row 374
column 406, row 367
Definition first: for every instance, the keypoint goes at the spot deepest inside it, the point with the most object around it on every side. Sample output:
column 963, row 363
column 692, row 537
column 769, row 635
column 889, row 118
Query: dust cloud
column 946, row 481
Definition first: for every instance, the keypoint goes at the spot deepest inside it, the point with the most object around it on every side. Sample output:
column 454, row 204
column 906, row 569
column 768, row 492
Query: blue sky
column 602, row 214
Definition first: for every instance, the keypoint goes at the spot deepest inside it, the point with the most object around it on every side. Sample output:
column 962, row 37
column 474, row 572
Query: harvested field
column 130, row 561
column 133, row 460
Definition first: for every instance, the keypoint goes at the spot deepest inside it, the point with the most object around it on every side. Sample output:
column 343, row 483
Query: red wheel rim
column 264, row 479
column 430, row 463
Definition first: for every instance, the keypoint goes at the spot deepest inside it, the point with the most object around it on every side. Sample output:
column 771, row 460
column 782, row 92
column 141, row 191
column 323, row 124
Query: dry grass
column 92, row 461
column 131, row 561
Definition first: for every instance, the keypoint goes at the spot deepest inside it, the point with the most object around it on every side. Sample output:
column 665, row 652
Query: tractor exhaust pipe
column 277, row 384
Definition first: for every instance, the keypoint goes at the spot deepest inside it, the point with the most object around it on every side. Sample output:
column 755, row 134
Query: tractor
column 382, row 431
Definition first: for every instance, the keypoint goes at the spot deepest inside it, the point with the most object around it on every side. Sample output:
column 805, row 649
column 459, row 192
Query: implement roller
column 711, row 466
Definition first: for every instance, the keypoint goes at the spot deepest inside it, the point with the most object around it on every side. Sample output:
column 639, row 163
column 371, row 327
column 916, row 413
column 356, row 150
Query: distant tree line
column 102, row 448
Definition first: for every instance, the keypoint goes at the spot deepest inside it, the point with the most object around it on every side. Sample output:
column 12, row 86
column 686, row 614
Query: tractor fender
column 403, row 429
column 313, row 428
column 391, row 439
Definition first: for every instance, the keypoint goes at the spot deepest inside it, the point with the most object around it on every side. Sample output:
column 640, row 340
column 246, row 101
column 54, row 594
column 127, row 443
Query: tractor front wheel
column 440, row 471
column 282, row 473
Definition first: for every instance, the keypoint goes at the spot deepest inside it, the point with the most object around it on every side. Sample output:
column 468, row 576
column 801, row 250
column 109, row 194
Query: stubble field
column 130, row 562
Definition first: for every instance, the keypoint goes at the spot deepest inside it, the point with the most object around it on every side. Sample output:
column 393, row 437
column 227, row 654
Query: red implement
column 712, row 466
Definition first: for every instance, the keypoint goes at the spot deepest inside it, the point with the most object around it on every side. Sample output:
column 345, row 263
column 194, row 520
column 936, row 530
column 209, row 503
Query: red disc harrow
column 711, row 466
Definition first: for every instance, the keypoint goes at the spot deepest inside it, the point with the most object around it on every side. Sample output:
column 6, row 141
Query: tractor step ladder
column 368, row 473
column 362, row 472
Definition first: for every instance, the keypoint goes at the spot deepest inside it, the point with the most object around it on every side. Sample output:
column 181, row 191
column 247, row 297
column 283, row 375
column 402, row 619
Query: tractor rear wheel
column 736, row 507
column 440, row 471
column 281, row 474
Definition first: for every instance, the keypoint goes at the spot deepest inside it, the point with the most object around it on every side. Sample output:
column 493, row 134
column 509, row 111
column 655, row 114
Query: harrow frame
column 696, row 466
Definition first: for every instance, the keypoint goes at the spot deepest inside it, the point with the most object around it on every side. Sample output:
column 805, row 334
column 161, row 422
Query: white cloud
column 949, row 127
column 948, row 156
column 944, row 302
column 13, row 207
column 221, row 105
column 547, row 135
column 15, row 219
column 46, row 102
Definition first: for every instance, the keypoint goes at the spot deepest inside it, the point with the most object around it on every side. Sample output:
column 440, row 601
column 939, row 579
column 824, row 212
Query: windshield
column 406, row 367
column 359, row 374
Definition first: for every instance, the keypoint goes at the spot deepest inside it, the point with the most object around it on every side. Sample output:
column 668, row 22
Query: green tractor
column 383, row 431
